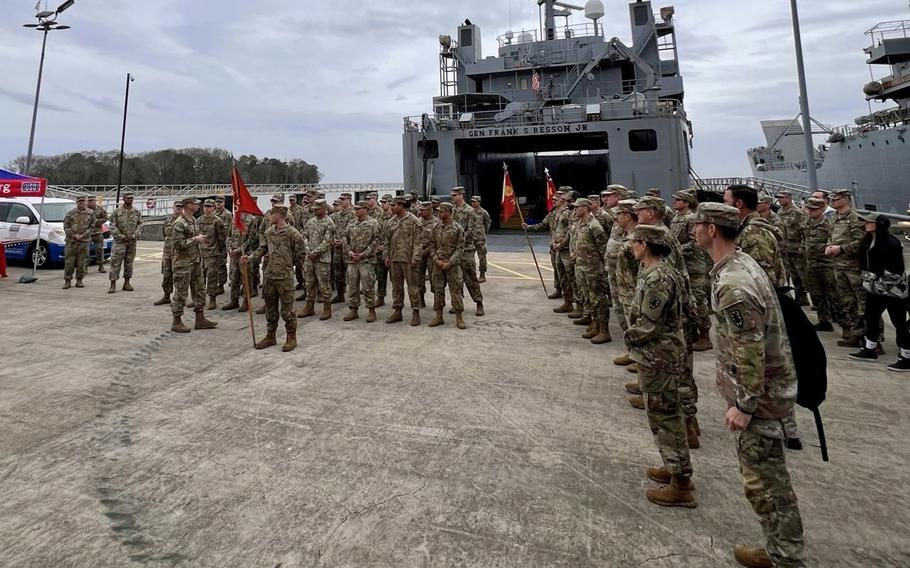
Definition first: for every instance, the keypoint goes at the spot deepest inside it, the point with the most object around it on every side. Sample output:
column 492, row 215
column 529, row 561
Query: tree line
column 183, row 166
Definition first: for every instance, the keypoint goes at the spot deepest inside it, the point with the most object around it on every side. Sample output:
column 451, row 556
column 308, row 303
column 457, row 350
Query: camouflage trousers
column 212, row 269
column 482, row 259
column 665, row 417
column 821, row 284
column 318, row 277
column 167, row 275
column 452, row 279
column 567, row 273
column 236, row 279
column 849, row 299
column 795, row 263
column 123, row 254
column 75, row 259
column 423, row 271
column 769, row 491
column 701, row 304
column 255, row 279
column 557, row 274
column 98, row 240
column 401, row 273
column 188, row 279
column 222, row 269
column 590, row 286
column 469, row 277
column 685, row 382
column 339, row 267
column 382, row 279
column 279, row 299
column 361, row 279
column 618, row 307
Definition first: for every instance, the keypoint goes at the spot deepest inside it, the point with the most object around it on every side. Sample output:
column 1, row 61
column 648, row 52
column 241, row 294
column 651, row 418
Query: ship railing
column 878, row 120
column 563, row 32
column 719, row 185
column 894, row 29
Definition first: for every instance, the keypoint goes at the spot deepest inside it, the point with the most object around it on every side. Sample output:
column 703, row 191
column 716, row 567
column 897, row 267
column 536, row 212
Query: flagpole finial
column 505, row 166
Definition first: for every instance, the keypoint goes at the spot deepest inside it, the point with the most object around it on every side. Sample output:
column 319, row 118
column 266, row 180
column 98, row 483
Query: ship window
column 642, row 16
column 467, row 38
column 643, row 140
column 524, row 85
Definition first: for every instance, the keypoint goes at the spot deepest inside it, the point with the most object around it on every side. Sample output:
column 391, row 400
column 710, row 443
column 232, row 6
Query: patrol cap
column 128, row 194
column 387, row 197
column 426, row 204
column 319, row 194
column 870, row 217
column 840, row 193
column 446, row 206
column 815, row 203
column 651, row 202
column 687, row 195
column 653, row 192
column 190, row 201
column 400, row 200
column 582, row 202
column 565, row 188
column 292, row 198
column 475, row 198
column 280, row 209
column 614, row 188
column 360, row 205
column 372, row 195
column 344, row 195
column 626, row 206
column 654, row 234
column 717, row 214
column 457, row 190
column 277, row 198
column 784, row 193
column 414, row 193
column 80, row 198
column 435, row 200
column 594, row 197
column 319, row 203
column 220, row 199
column 209, row 203
column 765, row 198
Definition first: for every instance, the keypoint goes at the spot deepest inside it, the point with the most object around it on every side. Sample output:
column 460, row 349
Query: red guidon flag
column 243, row 201
column 509, row 202
column 551, row 190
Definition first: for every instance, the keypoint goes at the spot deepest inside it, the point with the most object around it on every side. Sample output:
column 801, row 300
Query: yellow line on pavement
column 545, row 267
column 504, row 269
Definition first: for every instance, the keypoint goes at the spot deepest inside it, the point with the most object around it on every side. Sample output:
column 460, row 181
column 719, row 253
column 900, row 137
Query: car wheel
column 40, row 255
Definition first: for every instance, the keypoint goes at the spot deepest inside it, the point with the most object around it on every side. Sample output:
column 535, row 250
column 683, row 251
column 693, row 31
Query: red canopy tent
column 15, row 185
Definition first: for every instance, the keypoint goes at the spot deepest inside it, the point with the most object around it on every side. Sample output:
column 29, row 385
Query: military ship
column 871, row 156
column 591, row 110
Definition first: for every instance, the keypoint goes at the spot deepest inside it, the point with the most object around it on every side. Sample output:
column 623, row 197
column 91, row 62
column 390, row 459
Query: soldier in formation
column 360, row 244
column 446, row 247
column 320, row 235
column 793, row 222
column 342, row 217
column 590, row 242
column 186, row 263
column 212, row 228
column 77, row 225
column 382, row 214
column 819, row 267
column 844, row 242
column 698, row 263
column 98, row 231
column 228, row 220
column 424, row 269
column 486, row 221
column 126, row 224
column 167, row 271
column 240, row 243
column 401, row 253
column 549, row 224
column 474, row 239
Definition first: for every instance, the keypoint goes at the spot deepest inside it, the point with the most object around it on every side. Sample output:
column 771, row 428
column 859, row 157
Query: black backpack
column 809, row 359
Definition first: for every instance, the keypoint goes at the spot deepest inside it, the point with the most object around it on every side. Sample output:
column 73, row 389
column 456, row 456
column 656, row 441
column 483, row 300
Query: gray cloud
column 29, row 100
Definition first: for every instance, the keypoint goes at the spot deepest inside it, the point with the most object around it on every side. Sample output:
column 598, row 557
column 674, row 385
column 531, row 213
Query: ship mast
column 804, row 101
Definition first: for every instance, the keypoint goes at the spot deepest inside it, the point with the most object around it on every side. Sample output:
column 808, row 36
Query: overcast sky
column 330, row 82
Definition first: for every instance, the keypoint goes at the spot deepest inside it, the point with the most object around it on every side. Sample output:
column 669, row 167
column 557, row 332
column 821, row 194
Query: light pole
column 126, row 104
column 47, row 22
column 804, row 100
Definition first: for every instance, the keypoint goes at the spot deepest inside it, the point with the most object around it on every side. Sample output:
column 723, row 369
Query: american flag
column 535, row 82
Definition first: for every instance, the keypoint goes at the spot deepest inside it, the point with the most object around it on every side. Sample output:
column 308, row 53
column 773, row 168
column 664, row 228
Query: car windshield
column 55, row 212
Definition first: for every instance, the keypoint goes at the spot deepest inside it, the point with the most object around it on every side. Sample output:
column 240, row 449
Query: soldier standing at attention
column 125, row 225
column 167, row 271
column 212, row 228
column 563, row 238
column 77, row 224
column 656, row 343
column 793, row 221
column 400, row 255
column 847, row 233
column 320, row 234
column 486, row 221
column 446, row 248
column 626, row 273
column 285, row 247
column 757, row 379
column 263, row 225
column 359, row 245
column 590, row 242
column 609, row 199
column 373, row 209
column 382, row 272
column 424, row 270
column 97, row 231
column 819, row 267
column 228, row 220
column 238, row 246
column 296, row 220
column 186, row 259
column 414, row 204
column 549, row 224
column 342, row 217
column 698, row 264
column 474, row 238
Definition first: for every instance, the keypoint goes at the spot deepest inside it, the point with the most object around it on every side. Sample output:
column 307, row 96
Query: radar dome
column 872, row 88
column 594, row 10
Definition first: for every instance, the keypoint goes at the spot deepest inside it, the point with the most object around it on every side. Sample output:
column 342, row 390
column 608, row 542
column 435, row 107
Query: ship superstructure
column 592, row 110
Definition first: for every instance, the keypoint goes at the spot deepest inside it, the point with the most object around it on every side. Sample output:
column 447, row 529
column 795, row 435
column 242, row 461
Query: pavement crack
column 672, row 555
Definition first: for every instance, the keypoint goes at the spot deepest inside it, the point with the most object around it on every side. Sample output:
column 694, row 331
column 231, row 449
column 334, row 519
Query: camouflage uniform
column 215, row 242
column 819, row 268
column 125, row 224
column 588, row 245
column 362, row 237
column 402, row 248
column 562, row 238
column 848, row 231
column 98, row 234
column 549, row 224
column 320, row 233
column 760, row 239
column 186, row 261
column 698, row 263
column 227, row 219
column 473, row 239
column 611, row 263
column 244, row 245
column 77, row 222
column 447, row 243
column 755, row 373
column 486, row 223
column 425, row 264
column 167, row 269
column 606, row 223
column 626, row 279
column 251, row 243
column 285, row 247
column 298, row 220
column 656, row 343
column 379, row 267
column 793, row 221
column 341, row 219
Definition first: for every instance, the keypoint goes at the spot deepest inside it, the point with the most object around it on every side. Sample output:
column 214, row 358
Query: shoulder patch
column 736, row 317
column 654, row 303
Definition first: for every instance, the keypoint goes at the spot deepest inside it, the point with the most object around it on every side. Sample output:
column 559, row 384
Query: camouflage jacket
column 342, row 219
column 847, row 232
column 362, row 237
column 817, row 234
column 698, row 262
column 166, row 230
column 426, row 235
column 227, row 218
column 78, row 222
column 319, row 234
column 184, row 251
column 244, row 243
column 548, row 223
column 562, row 236
column 760, row 239
column 655, row 333
column 447, row 242
column 755, row 369
column 100, row 218
column 285, row 248
column 485, row 219
column 215, row 235
column 626, row 271
column 606, row 220
column 614, row 243
column 590, row 242
column 295, row 217
column 401, row 239
column 375, row 213
column 472, row 225
column 793, row 221
column 125, row 224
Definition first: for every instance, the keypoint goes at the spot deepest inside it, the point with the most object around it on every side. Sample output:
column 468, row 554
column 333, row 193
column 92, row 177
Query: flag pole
column 244, row 271
column 521, row 217
column 244, row 268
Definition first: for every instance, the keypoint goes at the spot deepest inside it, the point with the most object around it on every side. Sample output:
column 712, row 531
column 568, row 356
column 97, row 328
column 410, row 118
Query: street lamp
column 126, row 103
column 47, row 22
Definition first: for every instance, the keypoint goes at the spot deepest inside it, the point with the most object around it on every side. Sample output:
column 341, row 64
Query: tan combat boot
column 565, row 308
column 244, row 307
column 623, row 360
column 178, row 326
column 351, row 315
column 482, row 278
column 127, row 287
column 163, row 300
column 633, row 388
column 437, row 320
column 577, row 312
column 703, row 343
column 633, row 368
column 291, row 342
column 371, row 315
column 67, row 284
column 79, row 283
column 113, row 287
column 415, row 318
column 101, row 268
column 212, row 305
column 380, row 302
column 308, row 309
column 395, row 317
column 591, row 331
column 637, row 402
column 326, row 311
column 660, row 475
column 585, row 319
column 268, row 340
column 692, row 433
column 459, row 320
column 680, row 492
column 202, row 323
column 603, row 334
column 555, row 295
column 232, row 305
column 479, row 312
column 751, row 557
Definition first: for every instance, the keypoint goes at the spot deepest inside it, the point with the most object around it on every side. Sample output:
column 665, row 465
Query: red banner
column 15, row 185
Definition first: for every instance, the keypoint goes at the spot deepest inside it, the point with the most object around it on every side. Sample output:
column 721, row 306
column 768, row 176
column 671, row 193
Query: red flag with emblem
column 551, row 190
column 243, row 201
column 509, row 204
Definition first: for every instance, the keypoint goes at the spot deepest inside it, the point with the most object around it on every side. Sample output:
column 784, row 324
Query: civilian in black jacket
column 882, row 252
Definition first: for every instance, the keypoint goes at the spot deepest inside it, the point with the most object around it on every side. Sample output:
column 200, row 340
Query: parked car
column 19, row 229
